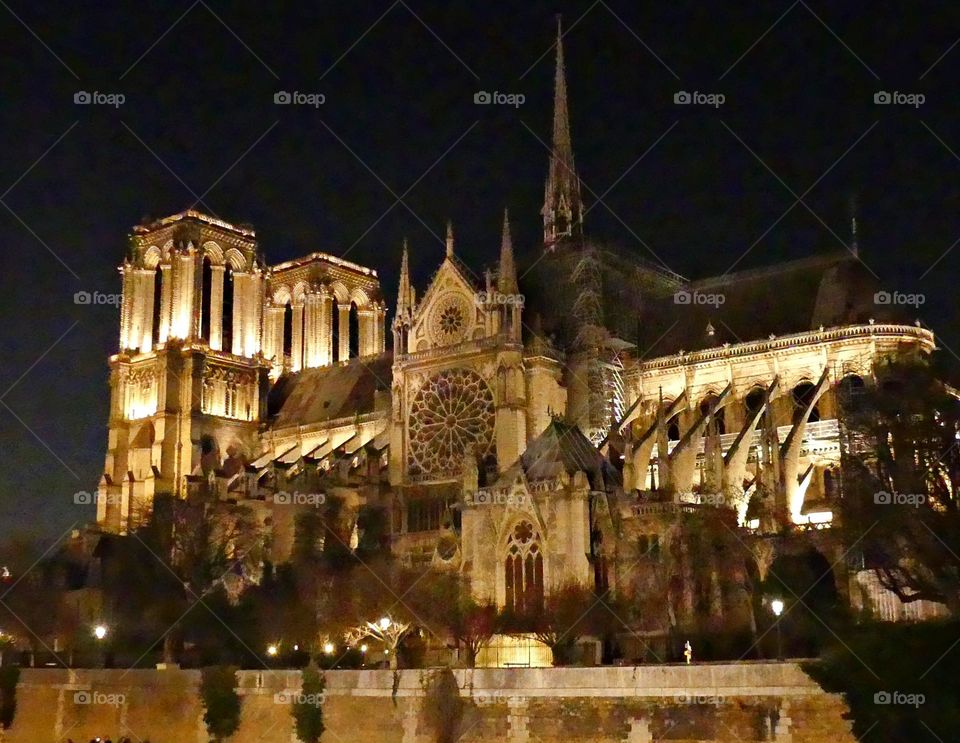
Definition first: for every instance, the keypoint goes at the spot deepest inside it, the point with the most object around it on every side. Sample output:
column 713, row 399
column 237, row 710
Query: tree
column 221, row 703
column 445, row 599
column 567, row 615
column 901, row 473
column 307, row 709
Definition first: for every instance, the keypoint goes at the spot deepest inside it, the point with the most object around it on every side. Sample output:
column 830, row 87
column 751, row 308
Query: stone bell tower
column 188, row 383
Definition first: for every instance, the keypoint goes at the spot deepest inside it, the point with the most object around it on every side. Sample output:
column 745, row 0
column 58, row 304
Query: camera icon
column 83, row 498
column 283, row 498
column 882, row 298
column 882, row 98
column 882, row 697
column 682, row 297
column 283, row 697
column 82, row 697
column 482, row 97
column 681, row 98
column 882, row 498
column 282, row 98
column 82, row 298
column 82, row 97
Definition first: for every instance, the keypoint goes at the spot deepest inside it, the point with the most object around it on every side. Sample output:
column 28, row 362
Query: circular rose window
column 450, row 319
column 452, row 411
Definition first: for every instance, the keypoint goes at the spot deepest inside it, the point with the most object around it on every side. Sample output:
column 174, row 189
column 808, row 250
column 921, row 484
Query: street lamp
column 385, row 623
column 328, row 648
column 272, row 650
column 100, row 631
column 776, row 606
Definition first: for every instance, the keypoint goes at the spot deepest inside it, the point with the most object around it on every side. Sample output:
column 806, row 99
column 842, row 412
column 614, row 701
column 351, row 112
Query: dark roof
column 563, row 448
column 330, row 392
column 794, row 297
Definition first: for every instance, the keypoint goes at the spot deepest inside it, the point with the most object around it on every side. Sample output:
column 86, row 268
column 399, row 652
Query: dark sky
column 199, row 121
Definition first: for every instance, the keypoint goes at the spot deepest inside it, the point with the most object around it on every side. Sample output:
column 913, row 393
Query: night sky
column 691, row 187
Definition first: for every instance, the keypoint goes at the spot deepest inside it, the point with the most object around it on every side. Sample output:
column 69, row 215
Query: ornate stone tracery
column 452, row 411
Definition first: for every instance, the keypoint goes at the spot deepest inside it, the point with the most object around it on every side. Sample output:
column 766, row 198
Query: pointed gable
column 563, row 449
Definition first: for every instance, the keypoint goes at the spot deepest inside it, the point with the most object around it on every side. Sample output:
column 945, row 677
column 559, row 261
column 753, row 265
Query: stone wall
column 709, row 702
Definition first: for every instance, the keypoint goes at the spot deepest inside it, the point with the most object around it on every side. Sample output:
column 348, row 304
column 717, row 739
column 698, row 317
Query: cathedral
column 573, row 419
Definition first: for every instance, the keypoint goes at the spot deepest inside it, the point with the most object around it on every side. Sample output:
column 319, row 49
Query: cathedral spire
column 507, row 278
column 405, row 292
column 562, row 208
column 449, row 238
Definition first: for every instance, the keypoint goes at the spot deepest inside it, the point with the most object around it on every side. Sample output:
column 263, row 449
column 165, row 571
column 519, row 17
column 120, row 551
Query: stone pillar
column 343, row 353
column 311, row 331
column 166, row 299
column 145, row 282
column 258, row 289
column 379, row 325
column 273, row 335
column 240, row 300
column 216, row 308
column 782, row 732
column 126, row 308
column 296, row 346
column 326, row 327
column 639, row 731
column 366, row 344
column 517, row 719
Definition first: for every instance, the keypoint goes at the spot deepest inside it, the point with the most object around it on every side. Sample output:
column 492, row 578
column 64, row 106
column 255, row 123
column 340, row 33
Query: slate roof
column 563, row 448
column 794, row 297
column 330, row 392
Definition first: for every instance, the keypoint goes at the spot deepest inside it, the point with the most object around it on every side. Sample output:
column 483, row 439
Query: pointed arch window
column 523, row 570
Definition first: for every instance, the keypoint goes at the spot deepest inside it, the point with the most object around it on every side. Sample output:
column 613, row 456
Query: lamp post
column 100, row 633
column 776, row 606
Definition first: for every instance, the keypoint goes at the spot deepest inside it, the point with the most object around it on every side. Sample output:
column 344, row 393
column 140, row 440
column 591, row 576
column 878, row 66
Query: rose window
column 450, row 319
column 452, row 411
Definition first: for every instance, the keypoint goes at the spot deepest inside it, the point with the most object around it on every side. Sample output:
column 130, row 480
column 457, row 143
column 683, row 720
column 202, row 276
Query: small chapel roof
column 563, row 449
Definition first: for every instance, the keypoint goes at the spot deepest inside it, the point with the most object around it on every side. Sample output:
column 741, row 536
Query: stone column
column 326, row 328
column 311, row 322
column 166, row 292
column 126, row 308
column 365, row 327
column 296, row 350
column 239, row 302
column 344, row 327
column 216, row 308
column 273, row 335
column 379, row 320
column 145, row 292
